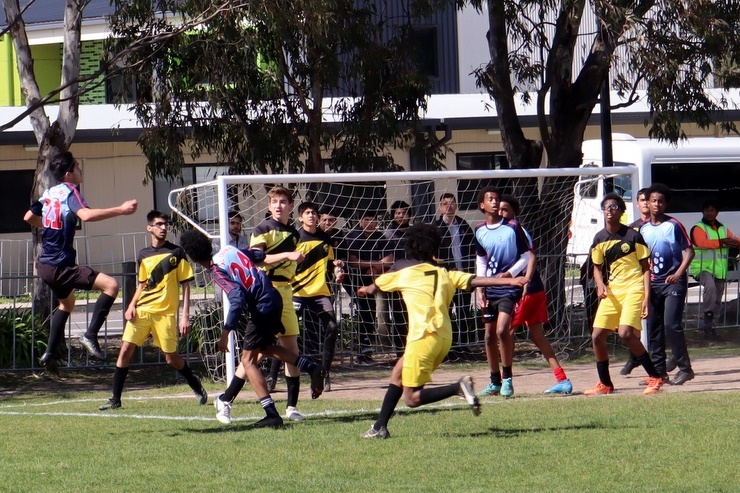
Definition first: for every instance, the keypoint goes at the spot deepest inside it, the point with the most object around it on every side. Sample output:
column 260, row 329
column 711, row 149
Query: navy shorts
column 262, row 330
column 496, row 306
column 63, row 280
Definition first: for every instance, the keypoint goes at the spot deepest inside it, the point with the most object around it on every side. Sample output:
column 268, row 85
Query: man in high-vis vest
column 712, row 241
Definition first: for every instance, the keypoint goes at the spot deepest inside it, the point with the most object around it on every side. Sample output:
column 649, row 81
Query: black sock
column 506, row 372
column 427, row 396
column 274, row 369
column 390, row 401
column 294, row 387
column 647, row 363
column 269, row 406
column 56, row 330
column 233, row 390
column 192, row 380
column 496, row 377
column 119, row 378
column 633, row 358
column 602, row 367
column 304, row 364
column 100, row 313
column 330, row 343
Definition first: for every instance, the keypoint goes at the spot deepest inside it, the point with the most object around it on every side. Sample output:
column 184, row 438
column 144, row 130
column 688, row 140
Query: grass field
column 162, row 441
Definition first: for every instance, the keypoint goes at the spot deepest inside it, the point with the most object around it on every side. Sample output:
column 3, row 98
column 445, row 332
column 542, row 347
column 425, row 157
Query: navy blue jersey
column 535, row 284
column 501, row 245
column 247, row 287
column 58, row 208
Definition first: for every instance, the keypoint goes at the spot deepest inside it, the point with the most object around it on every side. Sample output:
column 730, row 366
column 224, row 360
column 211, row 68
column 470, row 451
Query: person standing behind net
column 427, row 291
column 163, row 268
column 712, row 241
column 502, row 251
column 532, row 309
column 622, row 274
column 56, row 213
column 311, row 294
column 671, row 255
column 249, row 291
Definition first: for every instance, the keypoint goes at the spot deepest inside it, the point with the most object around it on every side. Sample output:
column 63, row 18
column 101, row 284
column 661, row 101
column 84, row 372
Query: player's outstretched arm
column 92, row 215
column 482, row 281
column 367, row 290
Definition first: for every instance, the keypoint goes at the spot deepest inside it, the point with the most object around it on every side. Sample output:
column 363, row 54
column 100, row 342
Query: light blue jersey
column 501, row 245
column 666, row 241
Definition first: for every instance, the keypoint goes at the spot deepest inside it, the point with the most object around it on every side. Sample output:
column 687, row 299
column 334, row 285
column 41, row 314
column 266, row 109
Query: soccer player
column 153, row 308
column 278, row 240
column 532, row 309
column 624, row 291
column 56, row 214
column 249, row 289
column 311, row 294
column 502, row 251
column 671, row 254
column 427, row 291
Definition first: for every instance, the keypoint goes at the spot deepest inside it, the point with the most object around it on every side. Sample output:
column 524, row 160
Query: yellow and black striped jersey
column 276, row 238
column 427, row 290
column 311, row 274
column 620, row 253
column 162, row 270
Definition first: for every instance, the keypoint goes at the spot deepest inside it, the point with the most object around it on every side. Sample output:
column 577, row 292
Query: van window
column 693, row 183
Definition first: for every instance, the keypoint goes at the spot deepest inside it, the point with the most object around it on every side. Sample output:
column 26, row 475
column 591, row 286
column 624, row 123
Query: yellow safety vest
column 712, row 260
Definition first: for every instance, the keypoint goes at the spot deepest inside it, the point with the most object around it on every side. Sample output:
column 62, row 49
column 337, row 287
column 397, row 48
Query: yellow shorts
column 163, row 329
column 422, row 357
column 620, row 309
column 289, row 317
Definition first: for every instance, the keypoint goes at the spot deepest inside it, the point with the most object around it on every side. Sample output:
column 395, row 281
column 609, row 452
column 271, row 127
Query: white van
column 695, row 170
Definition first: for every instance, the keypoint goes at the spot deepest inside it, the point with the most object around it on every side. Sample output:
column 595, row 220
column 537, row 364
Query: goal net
column 556, row 206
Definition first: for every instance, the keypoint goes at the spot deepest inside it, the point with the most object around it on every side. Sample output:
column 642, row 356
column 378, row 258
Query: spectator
column 392, row 317
column 712, row 241
column 236, row 238
column 367, row 256
column 457, row 252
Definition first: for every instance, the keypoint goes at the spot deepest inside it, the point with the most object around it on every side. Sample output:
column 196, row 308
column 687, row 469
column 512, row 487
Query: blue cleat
column 564, row 387
column 507, row 387
column 491, row 389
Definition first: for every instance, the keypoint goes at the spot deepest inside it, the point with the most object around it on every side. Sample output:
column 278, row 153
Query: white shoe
column 294, row 414
column 223, row 410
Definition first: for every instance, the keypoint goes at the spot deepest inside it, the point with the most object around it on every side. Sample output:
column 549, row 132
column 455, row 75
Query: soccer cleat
column 466, row 388
column 202, row 395
column 317, row 381
column 111, row 404
column 599, row 389
column 653, row 385
column 223, row 410
column 92, row 346
column 294, row 414
column 564, row 387
column 644, row 381
column 628, row 367
column 507, row 387
column 327, row 383
column 373, row 433
column 682, row 377
column 491, row 389
column 45, row 359
column 269, row 422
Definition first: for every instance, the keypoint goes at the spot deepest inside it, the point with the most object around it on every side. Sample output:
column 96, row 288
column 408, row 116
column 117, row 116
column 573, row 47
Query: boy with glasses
column 163, row 268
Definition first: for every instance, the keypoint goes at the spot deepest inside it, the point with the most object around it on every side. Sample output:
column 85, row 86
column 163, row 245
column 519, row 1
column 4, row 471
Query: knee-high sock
column 100, row 313
column 390, row 401
column 233, row 390
column 294, row 388
column 56, row 330
column 119, row 378
column 427, row 396
column 192, row 380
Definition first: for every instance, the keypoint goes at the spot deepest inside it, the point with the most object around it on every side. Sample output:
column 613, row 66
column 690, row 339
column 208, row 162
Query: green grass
column 678, row 442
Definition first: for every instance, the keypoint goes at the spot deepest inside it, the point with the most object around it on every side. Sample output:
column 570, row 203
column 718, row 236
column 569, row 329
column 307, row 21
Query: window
column 693, row 183
column 424, row 52
column 467, row 190
column 15, row 198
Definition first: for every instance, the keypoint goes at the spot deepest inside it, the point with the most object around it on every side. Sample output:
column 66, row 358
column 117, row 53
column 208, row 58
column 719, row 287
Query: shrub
column 22, row 337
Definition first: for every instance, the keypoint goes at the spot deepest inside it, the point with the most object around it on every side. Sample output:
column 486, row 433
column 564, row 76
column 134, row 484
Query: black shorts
column 63, row 280
column 314, row 304
column 262, row 331
column 496, row 306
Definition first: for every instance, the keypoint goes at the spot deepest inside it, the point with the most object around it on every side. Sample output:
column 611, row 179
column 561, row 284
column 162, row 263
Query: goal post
column 206, row 206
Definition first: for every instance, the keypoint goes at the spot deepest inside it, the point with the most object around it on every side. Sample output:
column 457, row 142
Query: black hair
column 196, row 245
column 513, row 202
column 661, row 189
column 308, row 205
column 235, row 214
column 642, row 191
column 61, row 164
column 399, row 204
column 709, row 203
column 421, row 242
column 367, row 213
column 447, row 195
column 613, row 196
column 485, row 190
column 154, row 214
